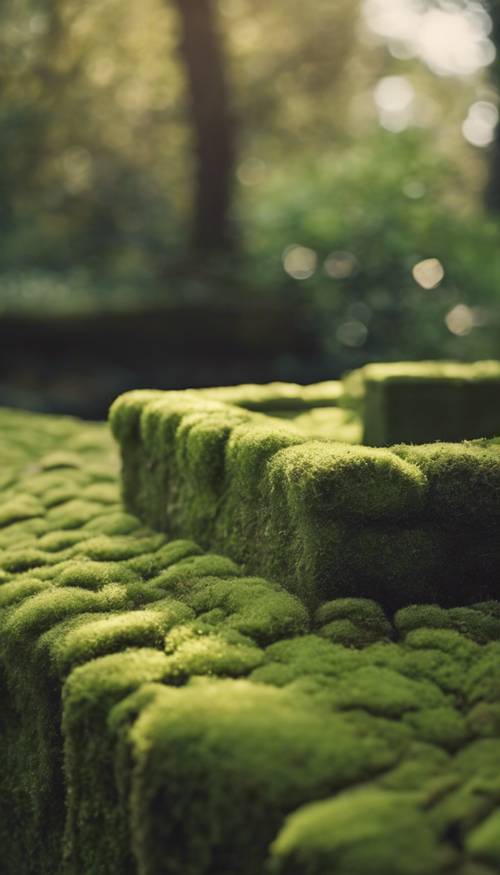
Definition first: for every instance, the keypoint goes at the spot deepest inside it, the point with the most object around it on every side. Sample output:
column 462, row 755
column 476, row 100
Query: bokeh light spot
column 451, row 38
column 352, row 333
column 428, row 273
column 460, row 320
column 479, row 126
column 341, row 265
column 299, row 262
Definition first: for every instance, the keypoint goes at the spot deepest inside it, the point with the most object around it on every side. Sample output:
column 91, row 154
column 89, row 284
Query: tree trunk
column 203, row 57
column 492, row 191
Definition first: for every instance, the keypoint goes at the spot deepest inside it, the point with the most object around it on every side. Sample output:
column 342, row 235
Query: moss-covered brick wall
column 322, row 517
column 164, row 713
column 419, row 402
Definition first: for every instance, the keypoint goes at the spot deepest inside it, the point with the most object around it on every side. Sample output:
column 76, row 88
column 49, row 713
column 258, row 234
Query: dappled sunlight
column 341, row 265
column 394, row 97
column 299, row 262
column 428, row 273
column 460, row 320
column 452, row 40
column 479, row 126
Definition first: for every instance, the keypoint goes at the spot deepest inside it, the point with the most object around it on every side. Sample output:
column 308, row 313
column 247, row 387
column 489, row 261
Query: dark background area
column 197, row 192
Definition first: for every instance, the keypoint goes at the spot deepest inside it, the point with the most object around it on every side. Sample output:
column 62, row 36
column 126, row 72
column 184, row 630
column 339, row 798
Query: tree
column 202, row 52
column 492, row 191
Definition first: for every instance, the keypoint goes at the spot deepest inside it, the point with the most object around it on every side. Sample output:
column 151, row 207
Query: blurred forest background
column 215, row 191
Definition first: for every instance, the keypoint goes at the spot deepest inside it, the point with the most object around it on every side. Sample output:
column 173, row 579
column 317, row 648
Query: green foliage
column 375, row 310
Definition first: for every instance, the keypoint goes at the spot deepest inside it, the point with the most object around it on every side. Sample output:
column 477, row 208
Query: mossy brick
column 42, row 610
column 425, row 662
column 115, row 522
column 483, row 678
column 438, row 684
column 55, row 541
column 361, row 832
column 483, row 720
column 305, row 656
column 448, row 641
column 277, row 397
column 359, row 483
column 463, row 482
column 181, row 576
column 443, row 726
column 483, row 842
column 276, row 756
column 19, row 559
column 73, row 514
column 150, row 565
column 96, row 828
column 20, row 534
column 199, row 649
column 420, row 767
column 352, row 622
column 115, row 548
column 364, row 612
column 321, row 517
column 418, row 402
column 330, row 423
column 22, row 507
column 473, row 790
column 17, row 590
column 93, row 575
column 251, row 606
column 479, row 625
column 104, row 493
column 87, row 637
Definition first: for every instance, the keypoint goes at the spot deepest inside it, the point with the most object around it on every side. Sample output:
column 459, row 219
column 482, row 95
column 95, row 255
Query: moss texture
column 164, row 712
column 324, row 517
column 425, row 401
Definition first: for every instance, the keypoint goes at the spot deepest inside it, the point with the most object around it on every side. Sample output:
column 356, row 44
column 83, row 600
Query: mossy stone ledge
column 164, row 712
column 419, row 402
column 325, row 518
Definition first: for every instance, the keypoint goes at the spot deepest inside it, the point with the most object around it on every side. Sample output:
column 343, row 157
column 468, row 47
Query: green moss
column 92, row 575
column 309, row 513
column 90, row 637
column 198, row 711
column 151, row 564
column 276, row 756
column 113, row 523
column 417, row 402
column 443, row 726
column 352, row 482
column 73, row 514
column 96, row 831
column 197, row 649
column 366, row 832
column 484, row 841
column 55, row 541
column 475, row 622
column 22, row 507
column 18, row 590
column 181, row 576
column 464, row 480
column 277, row 397
column 330, row 423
